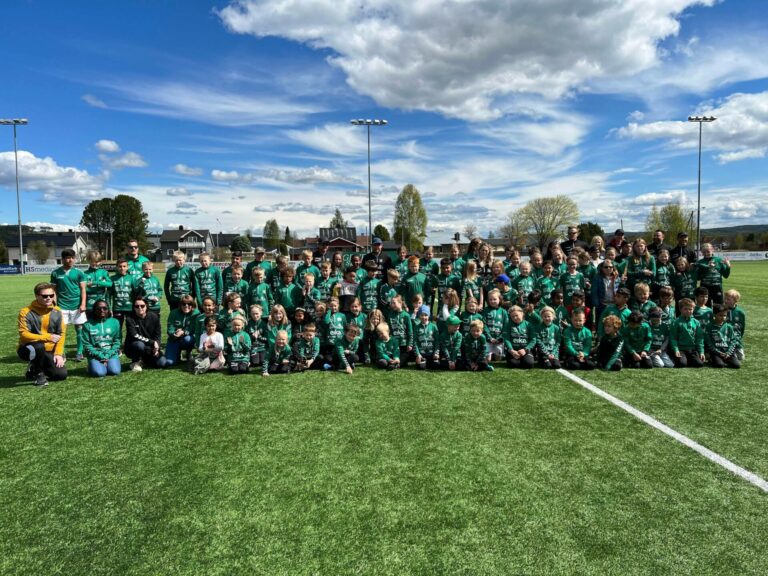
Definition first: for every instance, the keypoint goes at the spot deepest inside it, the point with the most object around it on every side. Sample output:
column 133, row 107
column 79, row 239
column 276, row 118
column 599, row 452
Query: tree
column 288, row 239
column 3, row 253
column 543, row 218
column 410, row 223
column 39, row 251
column 588, row 230
column 99, row 218
column 271, row 234
column 242, row 243
column 515, row 229
column 381, row 231
column 738, row 241
column 131, row 222
column 338, row 220
column 470, row 231
column 670, row 219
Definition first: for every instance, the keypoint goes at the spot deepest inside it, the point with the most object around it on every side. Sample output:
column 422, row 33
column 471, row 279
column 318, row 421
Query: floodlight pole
column 17, row 122
column 368, row 124
column 700, row 120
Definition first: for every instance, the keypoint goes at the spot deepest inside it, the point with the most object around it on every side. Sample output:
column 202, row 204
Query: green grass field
column 382, row 473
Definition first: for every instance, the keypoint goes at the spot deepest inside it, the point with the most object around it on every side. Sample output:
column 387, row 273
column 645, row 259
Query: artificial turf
column 381, row 473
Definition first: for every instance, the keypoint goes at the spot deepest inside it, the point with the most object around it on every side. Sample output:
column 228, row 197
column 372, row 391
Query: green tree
column 381, row 231
column 410, row 222
column 338, row 220
column 39, row 251
column 99, row 218
column 288, row 239
column 242, row 243
column 271, row 234
column 588, row 230
column 738, row 241
column 131, row 222
column 543, row 218
column 670, row 219
column 3, row 253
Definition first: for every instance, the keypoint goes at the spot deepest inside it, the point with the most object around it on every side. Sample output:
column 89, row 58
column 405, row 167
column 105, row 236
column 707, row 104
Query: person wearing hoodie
column 42, row 333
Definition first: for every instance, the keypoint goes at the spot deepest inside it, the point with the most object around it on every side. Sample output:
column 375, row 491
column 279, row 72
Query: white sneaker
column 136, row 366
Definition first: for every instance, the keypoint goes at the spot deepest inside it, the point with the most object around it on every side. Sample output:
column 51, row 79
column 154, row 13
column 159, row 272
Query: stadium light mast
column 368, row 124
column 17, row 122
column 700, row 120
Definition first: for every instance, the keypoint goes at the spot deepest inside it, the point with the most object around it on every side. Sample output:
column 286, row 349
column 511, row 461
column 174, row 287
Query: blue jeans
column 98, row 368
column 174, row 348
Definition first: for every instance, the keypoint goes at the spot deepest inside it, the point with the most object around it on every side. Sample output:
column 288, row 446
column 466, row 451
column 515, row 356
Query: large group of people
column 574, row 305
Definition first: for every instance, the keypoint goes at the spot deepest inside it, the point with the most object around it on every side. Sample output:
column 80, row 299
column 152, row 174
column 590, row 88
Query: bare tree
column 543, row 218
column 470, row 231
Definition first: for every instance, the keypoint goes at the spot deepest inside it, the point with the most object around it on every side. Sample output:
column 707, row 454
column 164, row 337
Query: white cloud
column 315, row 174
column 462, row 58
column 93, row 101
column 65, row 185
column 659, row 198
column 224, row 176
column 344, row 140
column 741, row 128
column 185, row 170
column 127, row 160
column 547, row 138
column 109, row 146
column 208, row 105
column 180, row 191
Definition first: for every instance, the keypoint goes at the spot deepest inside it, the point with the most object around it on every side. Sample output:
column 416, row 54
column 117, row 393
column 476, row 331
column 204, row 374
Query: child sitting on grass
column 547, row 340
column 345, row 350
column 686, row 338
column 425, row 347
column 577, row 343
column 450, row 344
column 474, row 349
column 210, row 348
column 517, row 340
column 637, row 341
column 238, row 346
column 736, row 318
column 278, row 360
column 387, row 349
column 306, row 350
column 659, row 340
column 721, row 340
column 610, row 347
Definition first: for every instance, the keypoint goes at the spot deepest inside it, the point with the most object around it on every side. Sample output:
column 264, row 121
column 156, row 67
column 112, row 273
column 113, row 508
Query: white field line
column 684, row 440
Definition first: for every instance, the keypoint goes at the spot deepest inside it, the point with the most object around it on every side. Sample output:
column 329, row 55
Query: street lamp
column 700, row 120
column 368, row 124
column 17, row 122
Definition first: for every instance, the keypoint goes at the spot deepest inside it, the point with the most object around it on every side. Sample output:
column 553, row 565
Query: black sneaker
column 30, row 375
column 42, row 380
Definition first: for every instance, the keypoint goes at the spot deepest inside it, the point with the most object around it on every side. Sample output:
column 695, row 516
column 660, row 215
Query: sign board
column 8, row 269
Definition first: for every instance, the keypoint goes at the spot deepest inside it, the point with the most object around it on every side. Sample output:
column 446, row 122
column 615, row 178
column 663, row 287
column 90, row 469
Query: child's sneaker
column 136, row 366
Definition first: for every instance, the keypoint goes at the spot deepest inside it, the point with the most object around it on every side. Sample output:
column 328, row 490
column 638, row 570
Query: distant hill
column 724, row 231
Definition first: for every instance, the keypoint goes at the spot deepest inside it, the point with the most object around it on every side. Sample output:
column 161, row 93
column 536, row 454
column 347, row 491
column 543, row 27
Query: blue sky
column 223, row 114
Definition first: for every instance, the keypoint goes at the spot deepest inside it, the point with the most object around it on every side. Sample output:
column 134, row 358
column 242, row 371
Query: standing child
column 346, row 290
column 686, row 338
column 149, row 288
column 642, row 302
column 517, row 340
column 710, row 271
column 641, row 265
column 335, row 323
column 208, row 281
column 665, row 271
column 659, row 340
column 721, row 340
column 71, row 296
column 390, row 289
column 401, row 327
column 238, row 347
column 210, row 348
column 425, row 342
column 495, row 320
column 547, row 340
column 737, row 318
column 667, row 305
column 278, row 360
column 259, row 291
column 701, row 311
column 325, row 282
column 618, row 308
column 258, row 338
column 179, row 280
column 375, row 317
column 310, row 295
column 413, row 283
column 577, row 343
column 368, row 289
column 121, row 291
column 509, row 295
column 474, row 349
column 387, row 349
column 306, row 350
column 277, row 321
column 208, row 310
column 97, row 281
column 470, row 286
column 234, row 282
column 288, row 294
column 306, row 267
column 546, row 282
column 684, row 280
column 226, row 274
column 449, row 306
column 572, row 281
column 446, row 280
column 524, row 283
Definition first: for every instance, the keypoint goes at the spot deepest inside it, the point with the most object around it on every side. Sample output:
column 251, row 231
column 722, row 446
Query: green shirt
column 450, row 345
column 686, row 335
column 101, row 339
column 637, row 339
column 576, row 341
column 97, row 284
column 474, row 349
column 68, row 287
column 150, row 289
column 389, row 350
column 494, row 324
column 425, row 339
column 122, row 292
column 179, row 320
column 135, row 266
column 178, row 282
column 239, row 350
column 208, row 283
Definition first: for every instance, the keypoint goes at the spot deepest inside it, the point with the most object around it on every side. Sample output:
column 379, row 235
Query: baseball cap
column 377, row 240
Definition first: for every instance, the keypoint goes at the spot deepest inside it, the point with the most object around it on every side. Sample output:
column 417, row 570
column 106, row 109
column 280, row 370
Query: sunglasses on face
column 47, row 296
column 140, row 306
column 133, row 247
column 186, row 303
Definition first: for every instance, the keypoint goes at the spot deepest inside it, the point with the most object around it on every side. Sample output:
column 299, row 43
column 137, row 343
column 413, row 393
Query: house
column 55, row 241
column 191, row 242
column 344, row 239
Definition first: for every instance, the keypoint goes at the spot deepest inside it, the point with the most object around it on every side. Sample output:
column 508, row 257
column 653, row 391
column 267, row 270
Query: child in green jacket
column 721, row 340
column 686, row 338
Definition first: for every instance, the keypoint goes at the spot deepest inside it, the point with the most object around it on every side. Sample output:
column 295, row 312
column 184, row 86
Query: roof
column 50, row 238
column 174, row 234
column 329, row 234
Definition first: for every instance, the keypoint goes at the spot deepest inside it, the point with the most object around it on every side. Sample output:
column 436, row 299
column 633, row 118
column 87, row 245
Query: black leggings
column 42, row 361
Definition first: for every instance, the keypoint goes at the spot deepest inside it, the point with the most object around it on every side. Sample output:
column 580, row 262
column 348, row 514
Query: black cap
column 682, row 234
column 619, row 232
